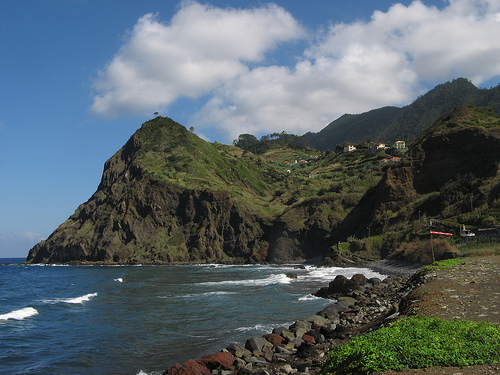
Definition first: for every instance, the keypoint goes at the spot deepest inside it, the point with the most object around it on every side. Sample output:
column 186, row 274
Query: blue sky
column 78, row 77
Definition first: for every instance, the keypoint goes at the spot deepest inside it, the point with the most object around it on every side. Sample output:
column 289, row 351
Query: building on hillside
column 349, row 148
column 399, row 145
column 391, row 160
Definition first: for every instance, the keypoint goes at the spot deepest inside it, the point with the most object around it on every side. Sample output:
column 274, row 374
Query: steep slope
column 166, row 196
column 452, row 172
column 389, row 124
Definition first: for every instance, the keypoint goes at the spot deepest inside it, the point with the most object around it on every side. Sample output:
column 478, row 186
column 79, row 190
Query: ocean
column 144, row 319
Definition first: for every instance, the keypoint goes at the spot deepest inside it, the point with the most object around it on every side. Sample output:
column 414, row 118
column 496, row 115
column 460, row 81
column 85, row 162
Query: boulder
column 222, row 359
column 275, row 339
column 349, row 301
column 340, row 284
column 308, row 339
column 238, row 351
column 190, row 367
column 332, row 311
column 316, row 320
column 358, row 280
column 256, row 344
column 374, row 280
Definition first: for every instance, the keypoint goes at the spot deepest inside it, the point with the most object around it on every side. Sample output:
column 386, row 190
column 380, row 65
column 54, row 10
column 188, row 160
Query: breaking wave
column 75, row 300
column 19, row 314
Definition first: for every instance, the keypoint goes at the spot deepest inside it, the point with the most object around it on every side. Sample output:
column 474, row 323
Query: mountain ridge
column 389, row 124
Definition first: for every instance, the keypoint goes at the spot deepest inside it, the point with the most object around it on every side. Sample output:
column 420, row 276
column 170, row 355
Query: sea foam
column 19, row 314
column 74, row 300
column 273, row 279
column 80, row 299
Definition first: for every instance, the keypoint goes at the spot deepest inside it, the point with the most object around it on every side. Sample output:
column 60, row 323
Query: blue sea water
column 143, row 319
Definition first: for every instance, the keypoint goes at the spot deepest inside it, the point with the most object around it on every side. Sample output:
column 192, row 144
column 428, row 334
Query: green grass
column 443, row 264
column 417, row 342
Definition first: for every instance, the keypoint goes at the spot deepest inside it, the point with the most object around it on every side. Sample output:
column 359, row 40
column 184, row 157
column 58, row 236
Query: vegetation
column 390, row 124
column 443, row 264
column 417, row 342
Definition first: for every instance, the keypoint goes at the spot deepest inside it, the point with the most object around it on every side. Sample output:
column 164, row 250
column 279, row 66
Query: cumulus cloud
column 201, row 48
column 349, row 68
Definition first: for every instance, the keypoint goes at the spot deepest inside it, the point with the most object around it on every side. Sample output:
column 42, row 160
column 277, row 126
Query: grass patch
column 417, row 342
column 443, row 264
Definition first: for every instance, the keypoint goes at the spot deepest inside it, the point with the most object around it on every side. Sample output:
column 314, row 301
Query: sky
column 79, row 77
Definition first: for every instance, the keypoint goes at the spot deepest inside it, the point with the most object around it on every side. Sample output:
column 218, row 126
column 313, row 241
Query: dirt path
column 469, row 291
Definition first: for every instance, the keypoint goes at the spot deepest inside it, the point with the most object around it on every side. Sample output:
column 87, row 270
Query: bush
column 422, row 251
column 417, row 342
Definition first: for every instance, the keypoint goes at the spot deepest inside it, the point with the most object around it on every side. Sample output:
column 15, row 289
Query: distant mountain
column 389, row 124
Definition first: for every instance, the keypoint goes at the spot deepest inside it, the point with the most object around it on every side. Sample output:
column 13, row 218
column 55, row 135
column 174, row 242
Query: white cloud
column 200, row 49
column 351, row 68
column 360, row 66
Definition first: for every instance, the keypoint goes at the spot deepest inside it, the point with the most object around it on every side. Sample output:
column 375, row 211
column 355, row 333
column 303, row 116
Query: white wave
column 258, row 327
column 329, row 273
column 19, row 314
column 207, row 294
column 308, row 297
column 119, row 279
column 142, row 372
column 75, row 300
column 273, row 279
column 80, row 299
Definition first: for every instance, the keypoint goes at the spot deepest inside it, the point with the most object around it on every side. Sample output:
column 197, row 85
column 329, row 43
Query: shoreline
column 358, row 306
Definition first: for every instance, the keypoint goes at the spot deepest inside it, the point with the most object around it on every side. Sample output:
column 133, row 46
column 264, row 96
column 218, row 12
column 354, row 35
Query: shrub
column 417, row 342
column 422, row 251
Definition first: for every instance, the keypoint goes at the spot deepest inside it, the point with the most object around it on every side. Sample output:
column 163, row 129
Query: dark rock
column 318, row 337
column 358, row 280
column 374, row 280
column 306, row 351
column 323, row 292
column 340, row 284
column 291, row 275
column 332, row 311
column 328, row 332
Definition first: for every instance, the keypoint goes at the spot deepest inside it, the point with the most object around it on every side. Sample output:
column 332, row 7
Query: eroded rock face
column 448, row 150
column 152, row 223
column 135, row 218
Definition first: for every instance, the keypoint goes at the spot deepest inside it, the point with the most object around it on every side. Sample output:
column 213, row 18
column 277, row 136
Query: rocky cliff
column 144, row 212
column 451, row 172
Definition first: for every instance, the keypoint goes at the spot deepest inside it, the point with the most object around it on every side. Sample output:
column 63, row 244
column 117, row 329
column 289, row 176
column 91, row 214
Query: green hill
column 390, row 124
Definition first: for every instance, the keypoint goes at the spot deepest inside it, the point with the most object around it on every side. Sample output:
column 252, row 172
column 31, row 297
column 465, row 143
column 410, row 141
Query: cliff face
column 451, row 170
column 136, row 217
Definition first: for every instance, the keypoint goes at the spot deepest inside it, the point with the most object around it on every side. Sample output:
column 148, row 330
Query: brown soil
column 469, row 291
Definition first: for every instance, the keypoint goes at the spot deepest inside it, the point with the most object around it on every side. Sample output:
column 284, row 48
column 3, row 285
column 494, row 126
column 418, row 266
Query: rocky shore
column 359, row 305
